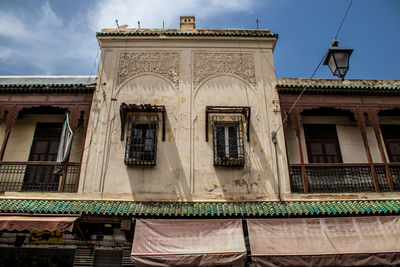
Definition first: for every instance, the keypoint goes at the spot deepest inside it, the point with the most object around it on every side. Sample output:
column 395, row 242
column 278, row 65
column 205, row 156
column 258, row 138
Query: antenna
column 257, row 21
column 163, row 25
column 138, row 23
column 116, row 21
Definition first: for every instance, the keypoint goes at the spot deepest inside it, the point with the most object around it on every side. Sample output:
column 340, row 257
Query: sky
column 58, row 37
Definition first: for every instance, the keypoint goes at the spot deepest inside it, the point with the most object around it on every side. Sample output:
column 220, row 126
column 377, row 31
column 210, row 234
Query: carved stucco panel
column 208, row 64
column 162, row 63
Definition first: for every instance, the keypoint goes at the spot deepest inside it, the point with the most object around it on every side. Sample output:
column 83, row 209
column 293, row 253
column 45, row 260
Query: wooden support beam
column 373, row 117
column 359, row 116
column 11, row 117
column 295, row 116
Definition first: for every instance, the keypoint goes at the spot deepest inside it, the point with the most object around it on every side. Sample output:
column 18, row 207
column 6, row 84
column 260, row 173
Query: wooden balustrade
column 343, row 177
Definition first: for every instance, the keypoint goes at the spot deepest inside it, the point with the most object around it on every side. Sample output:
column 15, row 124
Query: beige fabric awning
column 40, row 223
column 325, row 241
column 188, row 242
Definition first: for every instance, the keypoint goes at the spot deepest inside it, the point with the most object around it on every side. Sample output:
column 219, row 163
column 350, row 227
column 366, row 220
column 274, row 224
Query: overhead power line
column 274, row 133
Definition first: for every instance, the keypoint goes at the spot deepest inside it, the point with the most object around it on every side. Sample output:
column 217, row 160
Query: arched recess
column 228, row 90
column 211, row 77
column 154, row 76
column 164, row 177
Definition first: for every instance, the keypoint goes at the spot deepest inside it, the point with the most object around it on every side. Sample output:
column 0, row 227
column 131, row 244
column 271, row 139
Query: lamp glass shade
column 337, row 60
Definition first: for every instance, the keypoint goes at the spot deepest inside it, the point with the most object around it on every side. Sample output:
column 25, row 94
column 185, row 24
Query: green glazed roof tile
column 197, row 32
column 247, row 209
column 349, row 84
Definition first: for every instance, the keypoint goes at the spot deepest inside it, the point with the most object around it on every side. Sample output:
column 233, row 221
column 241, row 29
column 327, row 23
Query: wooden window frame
column 334, row 139
column 229, row 159
column 388, row 139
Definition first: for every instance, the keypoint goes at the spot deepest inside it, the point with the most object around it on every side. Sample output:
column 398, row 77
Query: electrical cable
column 274, row 133
column 94, row 65
column 316, row 69
column 300, row 95
column 248, row 104
column 89, row 145
column 344, row 17
column 110, row 123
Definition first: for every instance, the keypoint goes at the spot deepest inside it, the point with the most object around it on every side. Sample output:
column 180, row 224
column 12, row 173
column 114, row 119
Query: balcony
column 43, row 176
column 342, row 178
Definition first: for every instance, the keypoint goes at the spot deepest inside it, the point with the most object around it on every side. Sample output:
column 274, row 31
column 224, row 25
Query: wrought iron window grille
column 141, row 140
column 228, row 140
column 229, row 110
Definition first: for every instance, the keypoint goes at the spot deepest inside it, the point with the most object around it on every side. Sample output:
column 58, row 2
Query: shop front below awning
column 345, row 241
column 188, row 242
column 39, row 223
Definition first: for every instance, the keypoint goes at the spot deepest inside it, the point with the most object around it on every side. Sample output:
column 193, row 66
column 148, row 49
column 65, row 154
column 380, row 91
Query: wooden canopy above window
column 126, row 108
column 246, row 111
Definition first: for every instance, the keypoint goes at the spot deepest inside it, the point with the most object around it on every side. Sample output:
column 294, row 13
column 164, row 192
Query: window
column 141, row 137
column 228, row 135
column 391, row 136
column 141, row 144
column 44, row 148
column 228, row 141
column 322, row 143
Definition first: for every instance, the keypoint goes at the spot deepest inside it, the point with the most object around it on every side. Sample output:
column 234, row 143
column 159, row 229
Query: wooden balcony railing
column 340, row 177
column 42, row 176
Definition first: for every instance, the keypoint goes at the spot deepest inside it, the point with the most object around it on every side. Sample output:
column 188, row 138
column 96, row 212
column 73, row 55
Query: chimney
column 187, row 22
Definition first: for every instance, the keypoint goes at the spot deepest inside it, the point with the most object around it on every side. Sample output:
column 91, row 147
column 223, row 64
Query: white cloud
column 152, row 13
column 39, row 42
column 36, row 40
column 48, row 20
column 12, row 27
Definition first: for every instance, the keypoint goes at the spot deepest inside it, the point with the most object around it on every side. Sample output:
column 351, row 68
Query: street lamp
column 337, row 59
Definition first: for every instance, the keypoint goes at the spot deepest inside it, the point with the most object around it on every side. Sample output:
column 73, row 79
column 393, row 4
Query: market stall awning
column 188, row 242
column 325, row 241
column 40, row 223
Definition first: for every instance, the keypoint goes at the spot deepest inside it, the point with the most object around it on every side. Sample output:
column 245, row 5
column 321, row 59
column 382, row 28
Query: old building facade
column 199, row 79
column 187, row 150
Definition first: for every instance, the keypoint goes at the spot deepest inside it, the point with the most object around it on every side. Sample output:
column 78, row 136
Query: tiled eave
column 338, row 89
column 211, row 33
column 202, row 209
column 46, row 88
column 338, row 86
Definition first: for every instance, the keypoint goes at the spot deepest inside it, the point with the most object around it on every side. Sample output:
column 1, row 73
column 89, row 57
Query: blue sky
column 57, row 37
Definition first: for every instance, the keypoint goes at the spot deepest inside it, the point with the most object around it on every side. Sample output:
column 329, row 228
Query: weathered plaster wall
column 185, row 77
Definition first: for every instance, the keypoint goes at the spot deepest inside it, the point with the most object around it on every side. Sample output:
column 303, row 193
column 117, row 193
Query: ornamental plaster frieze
column 163, row 63
column 206, row 65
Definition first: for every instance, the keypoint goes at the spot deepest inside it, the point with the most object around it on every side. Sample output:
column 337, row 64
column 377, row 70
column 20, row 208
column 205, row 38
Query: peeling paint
column 156, row 101
column 183, row 100
column 254, row 142
column 169, row 135
column 197, row 138
column 269, row 159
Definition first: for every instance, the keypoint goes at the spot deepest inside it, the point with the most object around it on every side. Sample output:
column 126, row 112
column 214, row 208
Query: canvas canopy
column 188, row 242
column 40, row 223
column 325, row 241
